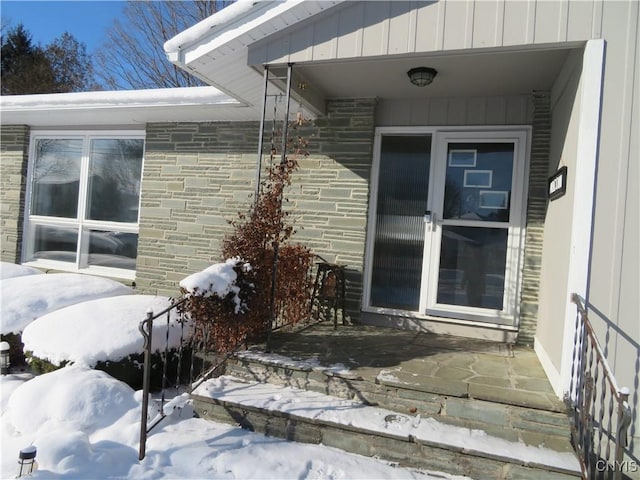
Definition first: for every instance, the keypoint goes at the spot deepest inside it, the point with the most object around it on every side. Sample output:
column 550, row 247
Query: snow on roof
column 29, row 297
column 232, row 12
column 105, row 99
column 102, row 329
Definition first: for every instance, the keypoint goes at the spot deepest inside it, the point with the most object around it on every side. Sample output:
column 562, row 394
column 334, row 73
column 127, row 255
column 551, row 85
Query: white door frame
column 515, row 230
column 520, row 135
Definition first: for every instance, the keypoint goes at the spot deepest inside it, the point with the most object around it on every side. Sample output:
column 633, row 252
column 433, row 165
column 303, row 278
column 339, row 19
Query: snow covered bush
column 103, row 334
column 216, row 301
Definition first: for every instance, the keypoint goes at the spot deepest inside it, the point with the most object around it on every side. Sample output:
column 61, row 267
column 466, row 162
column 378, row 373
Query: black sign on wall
column 557, row 184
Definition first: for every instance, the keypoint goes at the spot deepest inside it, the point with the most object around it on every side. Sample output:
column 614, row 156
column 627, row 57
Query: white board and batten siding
column 494, row 110
column 380, row 28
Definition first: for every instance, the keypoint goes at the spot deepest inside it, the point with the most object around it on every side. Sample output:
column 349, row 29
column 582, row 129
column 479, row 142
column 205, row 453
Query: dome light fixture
column 422, row 76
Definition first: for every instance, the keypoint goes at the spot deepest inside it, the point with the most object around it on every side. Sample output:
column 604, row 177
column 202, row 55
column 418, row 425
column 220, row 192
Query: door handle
column 428, row 216
column 430, row 220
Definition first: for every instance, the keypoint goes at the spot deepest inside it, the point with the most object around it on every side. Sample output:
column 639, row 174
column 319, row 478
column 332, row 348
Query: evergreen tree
column 63, row 66
column 24, row 67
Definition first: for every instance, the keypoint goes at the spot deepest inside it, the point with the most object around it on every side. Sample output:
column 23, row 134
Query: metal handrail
column 593, row 401
column 146, row 329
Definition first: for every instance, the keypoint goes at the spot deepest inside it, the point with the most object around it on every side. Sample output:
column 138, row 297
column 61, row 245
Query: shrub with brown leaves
column 261, row 238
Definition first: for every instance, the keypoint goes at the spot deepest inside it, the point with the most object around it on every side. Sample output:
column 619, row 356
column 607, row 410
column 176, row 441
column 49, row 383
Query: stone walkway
column 446, row 365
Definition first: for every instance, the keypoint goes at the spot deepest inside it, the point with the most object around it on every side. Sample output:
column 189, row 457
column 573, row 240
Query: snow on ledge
column 317, row 406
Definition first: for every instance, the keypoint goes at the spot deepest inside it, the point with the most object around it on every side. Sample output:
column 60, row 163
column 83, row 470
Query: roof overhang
column 224, row 38
column 229, row 48
column 123, row 108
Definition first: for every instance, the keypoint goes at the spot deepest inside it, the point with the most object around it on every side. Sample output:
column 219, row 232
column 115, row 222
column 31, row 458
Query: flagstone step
column 502, row 414
column 410, row 440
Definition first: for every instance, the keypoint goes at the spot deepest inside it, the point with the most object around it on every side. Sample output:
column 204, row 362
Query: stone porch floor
column 446, row 365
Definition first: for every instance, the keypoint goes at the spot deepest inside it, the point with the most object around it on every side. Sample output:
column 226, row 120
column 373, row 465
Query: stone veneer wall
column 197, row 176
column 14, row 152
column 536, row 212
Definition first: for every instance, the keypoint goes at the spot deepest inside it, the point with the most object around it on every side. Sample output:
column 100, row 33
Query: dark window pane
column 472, row 267
column 55, row 243
column 56, row 177
column 113, row 249
column 115, row 170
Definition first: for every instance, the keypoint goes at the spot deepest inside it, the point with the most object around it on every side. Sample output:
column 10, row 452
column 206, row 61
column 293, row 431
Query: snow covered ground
column 86, row 424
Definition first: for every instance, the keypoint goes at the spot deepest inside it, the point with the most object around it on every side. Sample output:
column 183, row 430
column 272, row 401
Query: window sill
column 114, row 273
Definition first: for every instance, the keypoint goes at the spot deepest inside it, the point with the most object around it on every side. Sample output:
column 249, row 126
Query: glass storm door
column 447, row 224
column 401, row 196
column 476, row 226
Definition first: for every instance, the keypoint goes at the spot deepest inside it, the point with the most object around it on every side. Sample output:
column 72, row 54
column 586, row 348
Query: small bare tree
column 133, row 56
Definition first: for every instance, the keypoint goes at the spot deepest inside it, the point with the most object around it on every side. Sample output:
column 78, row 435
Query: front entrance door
column 447, row 221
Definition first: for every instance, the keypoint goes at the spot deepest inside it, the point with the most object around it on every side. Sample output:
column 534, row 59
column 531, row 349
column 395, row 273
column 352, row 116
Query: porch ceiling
column 218, row 50
column 468, row 75
column 486, row 73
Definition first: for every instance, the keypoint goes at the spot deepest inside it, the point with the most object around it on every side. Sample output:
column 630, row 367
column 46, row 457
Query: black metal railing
column 599, row 409
column 193, row 352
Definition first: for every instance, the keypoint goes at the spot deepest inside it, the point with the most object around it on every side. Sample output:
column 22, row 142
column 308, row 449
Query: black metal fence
column 599, row 409
column 177, row 370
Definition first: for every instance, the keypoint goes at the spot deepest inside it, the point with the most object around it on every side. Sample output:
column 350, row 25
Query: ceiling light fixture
column 422, row 76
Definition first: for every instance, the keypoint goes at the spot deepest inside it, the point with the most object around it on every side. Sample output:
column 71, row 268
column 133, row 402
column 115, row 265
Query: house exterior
column 435, row 198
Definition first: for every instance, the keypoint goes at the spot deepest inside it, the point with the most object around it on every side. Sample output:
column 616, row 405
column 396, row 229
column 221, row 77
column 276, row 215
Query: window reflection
column 56, row 177
column 55, row 243
column 85, row 200
column 112, row 249
column 114, row 180
column 478, row 186
column 472, row 267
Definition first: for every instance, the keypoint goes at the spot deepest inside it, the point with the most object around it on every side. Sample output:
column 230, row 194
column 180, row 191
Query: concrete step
column 409, row 440
column 499, row 414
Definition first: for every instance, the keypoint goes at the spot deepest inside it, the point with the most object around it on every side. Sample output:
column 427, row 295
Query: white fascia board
column 231, row 24
column 216, row 22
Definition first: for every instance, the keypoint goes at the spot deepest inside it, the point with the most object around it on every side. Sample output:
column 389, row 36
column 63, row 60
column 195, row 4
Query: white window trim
column 30, row 221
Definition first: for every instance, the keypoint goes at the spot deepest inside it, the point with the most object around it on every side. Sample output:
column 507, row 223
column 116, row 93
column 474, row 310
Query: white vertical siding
column 580, row 20
column 503, row 110
column 430, row 27
column 615, row 265
column 487, row 16
column 550, row 22
column 375, row 38
column 519, row 23
column 350, row 35
column 458, row 25
column 367, row 29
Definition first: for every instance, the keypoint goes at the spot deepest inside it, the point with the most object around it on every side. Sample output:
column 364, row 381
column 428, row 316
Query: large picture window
column 84, row 202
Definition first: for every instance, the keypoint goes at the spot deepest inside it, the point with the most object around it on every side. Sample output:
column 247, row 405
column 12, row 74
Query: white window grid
column 84, row 225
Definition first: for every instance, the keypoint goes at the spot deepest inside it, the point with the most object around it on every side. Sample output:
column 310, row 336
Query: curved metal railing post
column 146, row 379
